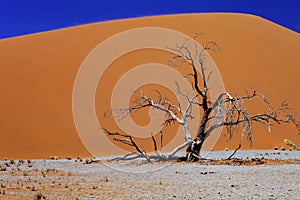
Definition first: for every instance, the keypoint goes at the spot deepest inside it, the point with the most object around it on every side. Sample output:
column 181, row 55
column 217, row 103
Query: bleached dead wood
column 229, row 111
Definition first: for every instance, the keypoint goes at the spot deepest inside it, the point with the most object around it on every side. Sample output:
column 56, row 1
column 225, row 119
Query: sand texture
column 37, row 74
column 73, row 179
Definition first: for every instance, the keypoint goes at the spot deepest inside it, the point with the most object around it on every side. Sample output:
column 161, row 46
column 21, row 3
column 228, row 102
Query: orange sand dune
column 37, row 74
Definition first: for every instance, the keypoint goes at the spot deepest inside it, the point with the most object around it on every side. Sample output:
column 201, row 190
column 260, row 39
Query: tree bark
column 196, row 145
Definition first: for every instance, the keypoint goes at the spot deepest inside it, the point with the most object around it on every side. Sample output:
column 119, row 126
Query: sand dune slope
column 37, row 74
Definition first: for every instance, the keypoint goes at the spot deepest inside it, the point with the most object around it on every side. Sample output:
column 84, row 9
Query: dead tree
column 228, row 111
column 174, row 114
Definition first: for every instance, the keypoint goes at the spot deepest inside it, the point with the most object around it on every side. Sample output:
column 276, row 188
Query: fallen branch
column 126, row 157
column 234, row 152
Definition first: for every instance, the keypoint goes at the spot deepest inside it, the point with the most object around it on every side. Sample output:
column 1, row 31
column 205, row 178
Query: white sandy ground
column 70, row 179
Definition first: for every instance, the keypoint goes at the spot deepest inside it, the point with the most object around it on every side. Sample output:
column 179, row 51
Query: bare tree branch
column 228, row 111
column 234, row 152
column 185, row 144
column 128, row 141
column 154, row 142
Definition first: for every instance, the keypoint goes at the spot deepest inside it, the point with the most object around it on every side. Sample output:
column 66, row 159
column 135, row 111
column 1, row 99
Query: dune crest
column 37, row 74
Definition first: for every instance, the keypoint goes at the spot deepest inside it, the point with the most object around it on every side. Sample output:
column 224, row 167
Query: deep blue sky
column 20, row 17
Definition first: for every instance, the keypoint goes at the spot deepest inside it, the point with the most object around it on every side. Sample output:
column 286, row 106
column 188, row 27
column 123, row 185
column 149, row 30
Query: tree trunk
column 193, row 150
